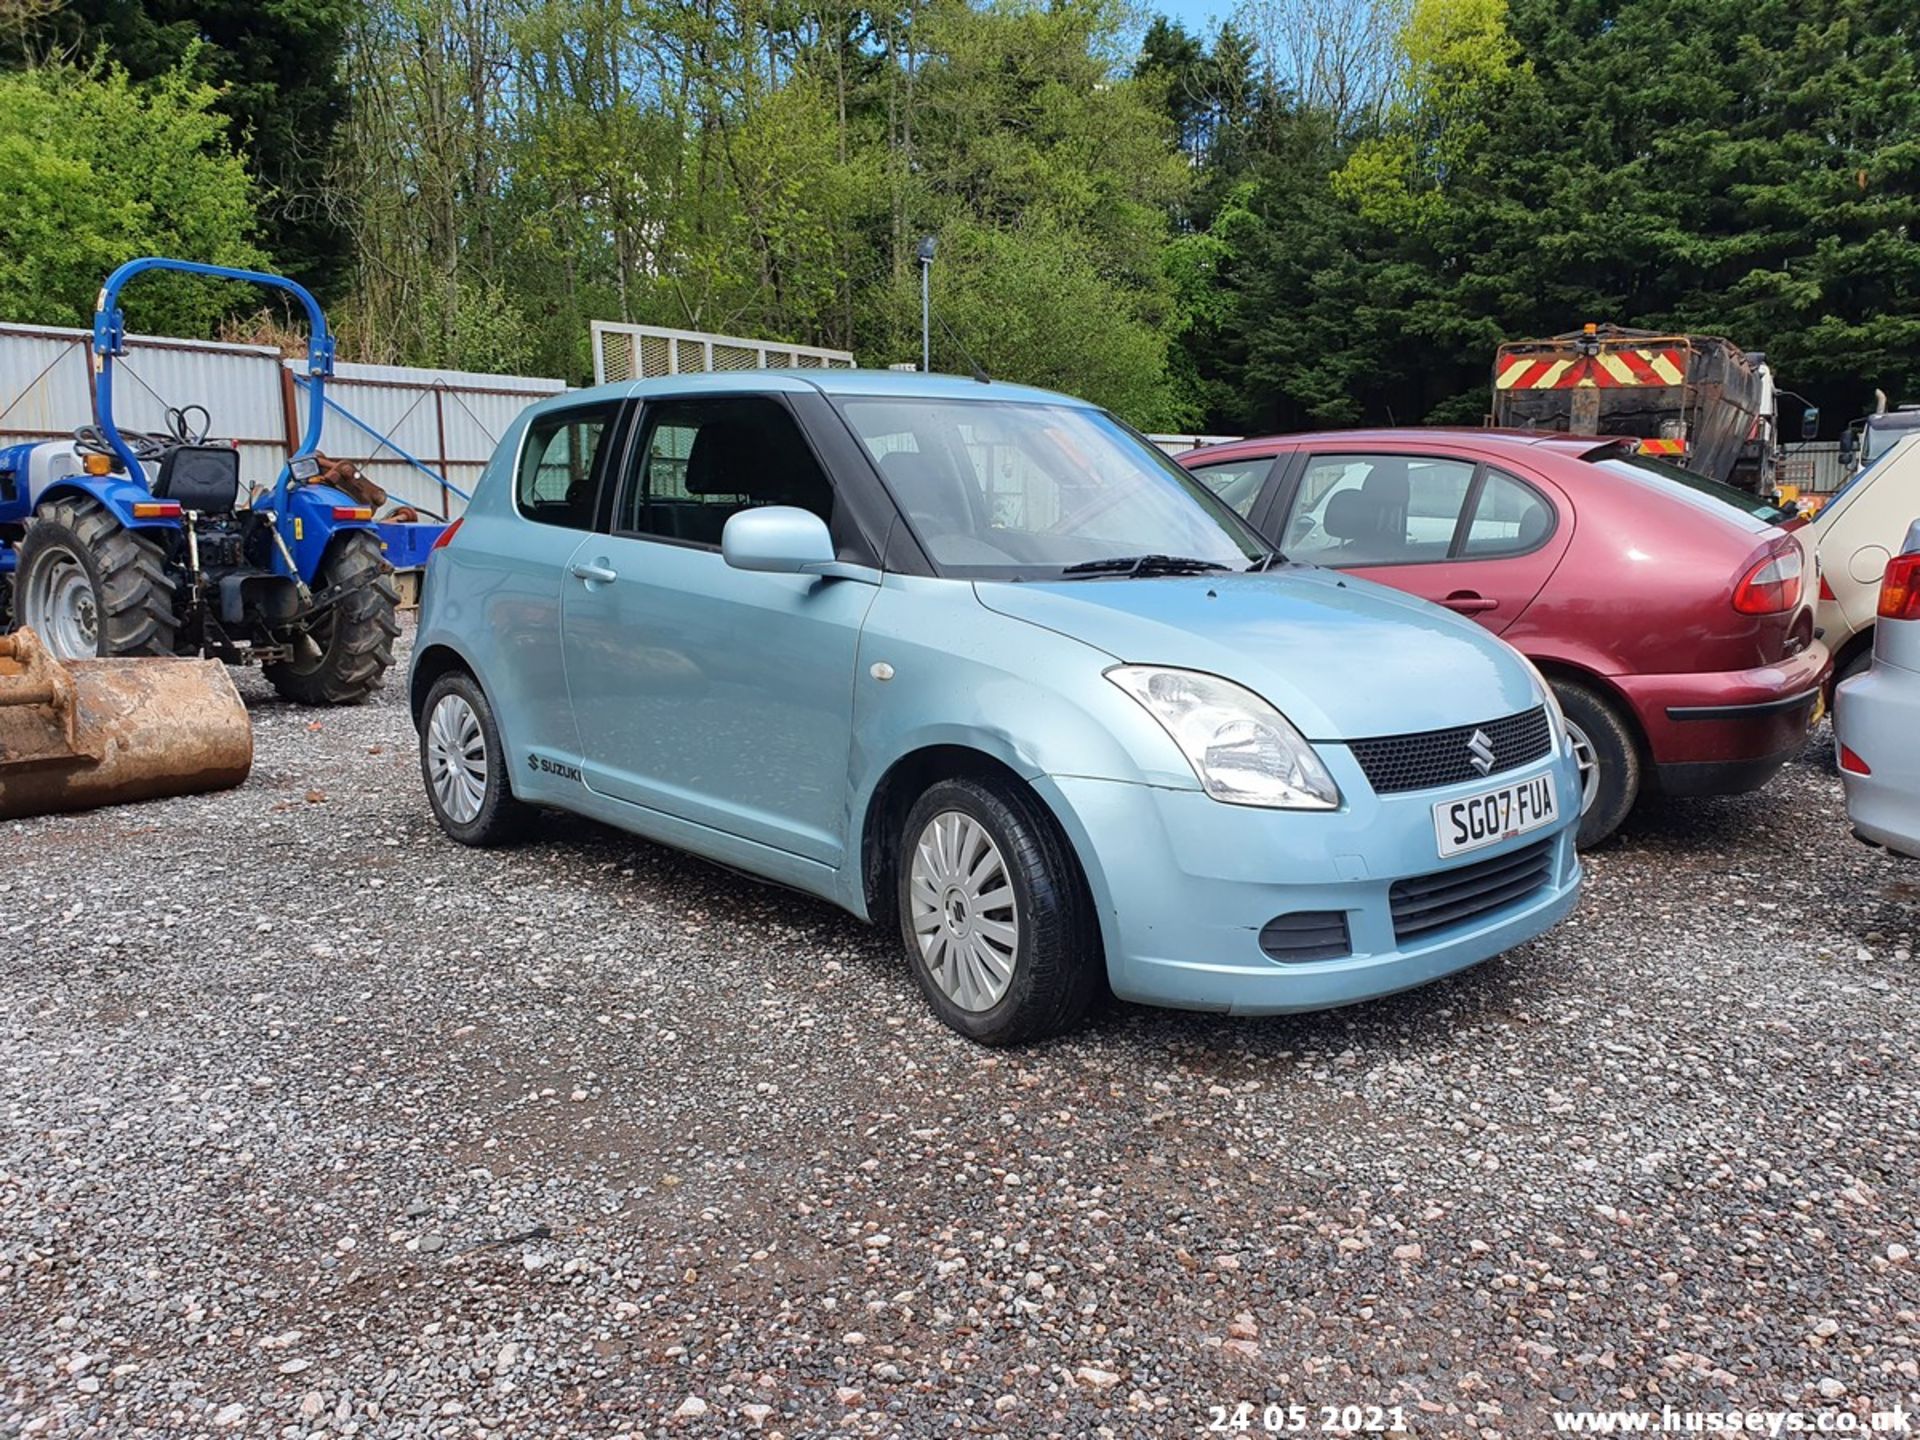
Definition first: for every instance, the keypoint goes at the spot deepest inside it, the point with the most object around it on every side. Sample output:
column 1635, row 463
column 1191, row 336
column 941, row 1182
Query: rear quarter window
column 1237, row 482
column 561, row 460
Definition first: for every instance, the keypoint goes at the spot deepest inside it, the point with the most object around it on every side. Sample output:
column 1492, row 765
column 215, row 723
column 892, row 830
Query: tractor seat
column 205, row 478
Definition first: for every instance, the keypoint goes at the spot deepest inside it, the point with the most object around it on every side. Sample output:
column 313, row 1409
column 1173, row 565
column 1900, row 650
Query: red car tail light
column 1771, row 584
column 1826, row 591
column 1853, row 764
column 1900, row 588
column 447, row 534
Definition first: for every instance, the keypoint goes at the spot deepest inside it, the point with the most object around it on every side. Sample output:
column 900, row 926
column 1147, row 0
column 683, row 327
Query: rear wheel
column 464, row 765
column 352, row 640
column 998, row 929
column 1858, row 663
column 88, row 586
column 1609, row 760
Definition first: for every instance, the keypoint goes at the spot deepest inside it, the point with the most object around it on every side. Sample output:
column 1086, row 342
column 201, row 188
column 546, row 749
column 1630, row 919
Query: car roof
column 1479, row 437
column 880, row 384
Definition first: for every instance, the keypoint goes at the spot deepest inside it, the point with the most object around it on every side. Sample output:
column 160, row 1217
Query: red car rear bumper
column 1718, row 734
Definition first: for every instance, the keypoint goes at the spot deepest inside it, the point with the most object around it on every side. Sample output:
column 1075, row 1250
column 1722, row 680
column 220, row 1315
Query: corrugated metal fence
column 1813, row 465
column 396, row 423
column 390, row 420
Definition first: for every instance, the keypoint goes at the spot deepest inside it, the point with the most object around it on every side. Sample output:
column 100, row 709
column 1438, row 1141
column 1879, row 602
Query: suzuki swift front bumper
column 1202, row 903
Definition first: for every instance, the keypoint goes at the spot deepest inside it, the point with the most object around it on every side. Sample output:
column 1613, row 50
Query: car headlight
column 1556, row 717
column 1242, row 750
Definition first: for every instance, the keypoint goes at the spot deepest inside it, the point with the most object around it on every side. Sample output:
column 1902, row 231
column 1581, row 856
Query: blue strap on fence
column 425, row 469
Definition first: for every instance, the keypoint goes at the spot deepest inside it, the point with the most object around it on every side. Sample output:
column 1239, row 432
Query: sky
column 1199, row 16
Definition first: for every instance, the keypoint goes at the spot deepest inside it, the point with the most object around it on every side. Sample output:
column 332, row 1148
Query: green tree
column 1746, row 169
column 1048, row 174
column 276, row 69
column 765, row 168
column 1756, row 175
column 96, row 169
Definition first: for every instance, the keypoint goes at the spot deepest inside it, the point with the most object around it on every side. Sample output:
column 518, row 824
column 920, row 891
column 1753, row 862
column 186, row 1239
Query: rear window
column 1696, row 490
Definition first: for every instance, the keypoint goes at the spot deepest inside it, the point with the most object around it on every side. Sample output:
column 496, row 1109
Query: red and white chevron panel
column 1609, row 370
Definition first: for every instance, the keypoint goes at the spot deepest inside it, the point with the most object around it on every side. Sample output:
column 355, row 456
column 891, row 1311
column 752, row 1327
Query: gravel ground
column 317, row 1124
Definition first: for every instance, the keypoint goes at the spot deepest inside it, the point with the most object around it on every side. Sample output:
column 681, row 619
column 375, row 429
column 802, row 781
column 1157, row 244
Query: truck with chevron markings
column 1698, row 401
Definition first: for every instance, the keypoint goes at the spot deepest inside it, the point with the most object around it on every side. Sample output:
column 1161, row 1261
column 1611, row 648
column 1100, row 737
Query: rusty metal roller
column 83, row 733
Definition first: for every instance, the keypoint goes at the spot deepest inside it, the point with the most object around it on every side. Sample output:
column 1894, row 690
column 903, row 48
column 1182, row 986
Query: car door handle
column 1469, row 602
column 593, row 574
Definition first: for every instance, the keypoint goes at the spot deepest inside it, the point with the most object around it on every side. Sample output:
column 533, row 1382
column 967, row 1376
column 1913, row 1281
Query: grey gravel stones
column 312, row 1123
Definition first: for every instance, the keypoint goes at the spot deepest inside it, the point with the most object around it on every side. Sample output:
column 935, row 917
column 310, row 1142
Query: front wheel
column 998, row 928
column 1609, row 761
column 349, row 648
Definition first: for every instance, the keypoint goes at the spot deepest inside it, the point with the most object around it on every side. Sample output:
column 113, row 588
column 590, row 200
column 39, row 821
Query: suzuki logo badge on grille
column 1480, row 747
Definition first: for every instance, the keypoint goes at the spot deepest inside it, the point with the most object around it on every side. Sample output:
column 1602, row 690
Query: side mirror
column 786, row 540
column 1849, row 445
column 1810, row 423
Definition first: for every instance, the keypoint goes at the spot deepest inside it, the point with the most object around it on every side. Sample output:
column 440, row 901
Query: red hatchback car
column 1676, row 627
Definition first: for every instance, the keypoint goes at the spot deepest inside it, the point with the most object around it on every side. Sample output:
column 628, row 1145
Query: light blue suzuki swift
column 977, row 662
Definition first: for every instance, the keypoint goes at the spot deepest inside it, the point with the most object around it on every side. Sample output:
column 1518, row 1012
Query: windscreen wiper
column 1267, row 562
column 1136, row 565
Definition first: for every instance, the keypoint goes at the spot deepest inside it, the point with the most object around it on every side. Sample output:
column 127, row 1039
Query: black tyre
column 353, row 639
column 464, row 765
column 1858, row 663
column 88, row 586
column 999, row 930
column 1609, row 760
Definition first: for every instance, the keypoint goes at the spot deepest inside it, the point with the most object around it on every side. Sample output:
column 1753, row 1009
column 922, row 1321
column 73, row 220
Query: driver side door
column 716, row 696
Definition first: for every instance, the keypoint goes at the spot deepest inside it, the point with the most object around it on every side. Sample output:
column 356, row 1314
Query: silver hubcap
column 59, row 605
column 456, row 759
column 1589, row 765
column 964, row 918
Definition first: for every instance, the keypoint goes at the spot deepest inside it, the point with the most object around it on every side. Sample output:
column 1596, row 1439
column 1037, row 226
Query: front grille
column 1395, row 763
column 1306, row 935
column 1454, row 897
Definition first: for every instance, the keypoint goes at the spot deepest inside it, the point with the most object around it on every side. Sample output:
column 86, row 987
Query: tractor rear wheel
column 88, row 586
column 353, row 638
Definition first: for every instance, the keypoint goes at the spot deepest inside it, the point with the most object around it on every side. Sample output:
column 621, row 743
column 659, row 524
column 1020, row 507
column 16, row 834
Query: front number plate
column 1495, row 815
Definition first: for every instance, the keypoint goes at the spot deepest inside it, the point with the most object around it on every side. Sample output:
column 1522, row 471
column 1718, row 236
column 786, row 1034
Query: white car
column 1854, row 535
column 1877, row 715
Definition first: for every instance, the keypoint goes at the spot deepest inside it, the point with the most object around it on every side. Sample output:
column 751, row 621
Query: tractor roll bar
column 110, row 339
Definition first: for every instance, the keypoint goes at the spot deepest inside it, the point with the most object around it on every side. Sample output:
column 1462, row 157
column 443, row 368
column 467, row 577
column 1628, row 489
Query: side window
column 1237, row 482
column 704, row 461
column 1376, row 509
column 560, row 466
column 1510, row 518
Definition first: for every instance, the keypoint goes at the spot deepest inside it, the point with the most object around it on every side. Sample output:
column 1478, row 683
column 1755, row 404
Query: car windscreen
column 1883, row 432
column 1001, row 489
column 1642, row 468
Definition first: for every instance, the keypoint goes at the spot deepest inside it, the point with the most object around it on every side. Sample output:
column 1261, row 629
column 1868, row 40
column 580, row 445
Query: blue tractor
column 119, row 543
